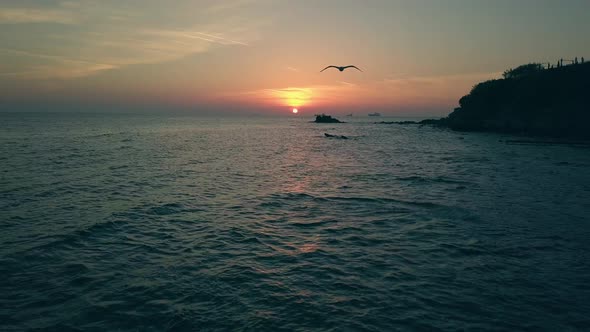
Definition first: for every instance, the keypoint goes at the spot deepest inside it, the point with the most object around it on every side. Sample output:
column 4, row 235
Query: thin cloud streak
column 228, row 5
column 196, row 35
column 47, row 56
column 442, row 78
column 224, row 40
column 28, row 15
column 347, row 83
column 295, row 96
column 111, row 46
column 61, row 67
column 411, row 91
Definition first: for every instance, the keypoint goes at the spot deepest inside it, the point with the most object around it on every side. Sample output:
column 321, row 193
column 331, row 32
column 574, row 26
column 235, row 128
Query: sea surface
column 184, row 223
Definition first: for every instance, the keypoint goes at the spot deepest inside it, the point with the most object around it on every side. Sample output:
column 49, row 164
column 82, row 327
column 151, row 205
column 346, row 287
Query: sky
column 264, row 56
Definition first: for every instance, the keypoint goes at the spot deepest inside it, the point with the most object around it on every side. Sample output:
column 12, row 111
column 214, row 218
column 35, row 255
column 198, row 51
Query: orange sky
column 418, row 57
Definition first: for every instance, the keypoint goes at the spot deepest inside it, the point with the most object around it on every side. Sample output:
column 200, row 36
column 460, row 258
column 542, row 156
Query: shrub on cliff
column 523, row 70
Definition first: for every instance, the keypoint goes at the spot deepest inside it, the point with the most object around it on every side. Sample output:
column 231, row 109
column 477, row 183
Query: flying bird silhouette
column 341, row 68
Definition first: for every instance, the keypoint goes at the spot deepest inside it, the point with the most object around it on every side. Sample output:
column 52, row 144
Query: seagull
column 341, row 68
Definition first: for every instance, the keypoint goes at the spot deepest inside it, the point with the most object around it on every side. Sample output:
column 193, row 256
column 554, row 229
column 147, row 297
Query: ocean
column 185, row 223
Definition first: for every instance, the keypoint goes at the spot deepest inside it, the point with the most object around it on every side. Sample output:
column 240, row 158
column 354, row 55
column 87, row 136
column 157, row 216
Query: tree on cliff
column 523, row 70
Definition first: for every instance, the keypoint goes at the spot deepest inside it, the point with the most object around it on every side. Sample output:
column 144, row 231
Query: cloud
column 296, row 96
column 180, row 35
column 151, row 46
column 418, row 91
column 29, row 15
column 106, row 51
column 62, row 70
column 111, row 35
column 440, row 90
column 228, row 5
column 347, row 83
column 443, row 79
column 53, row 66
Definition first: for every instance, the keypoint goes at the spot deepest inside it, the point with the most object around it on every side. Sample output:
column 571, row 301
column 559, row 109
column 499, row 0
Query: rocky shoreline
column 529, row 100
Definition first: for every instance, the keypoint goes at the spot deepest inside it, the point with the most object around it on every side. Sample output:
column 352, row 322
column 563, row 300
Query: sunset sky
column 264, row 56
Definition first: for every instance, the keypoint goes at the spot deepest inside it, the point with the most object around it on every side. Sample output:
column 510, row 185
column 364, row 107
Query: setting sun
column 295, row 111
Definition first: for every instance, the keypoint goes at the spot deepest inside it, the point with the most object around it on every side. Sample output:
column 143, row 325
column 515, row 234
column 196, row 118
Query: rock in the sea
column 335, row 136
column 323, row 118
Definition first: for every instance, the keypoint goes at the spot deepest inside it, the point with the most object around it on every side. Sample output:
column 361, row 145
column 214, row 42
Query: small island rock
column 323, row 118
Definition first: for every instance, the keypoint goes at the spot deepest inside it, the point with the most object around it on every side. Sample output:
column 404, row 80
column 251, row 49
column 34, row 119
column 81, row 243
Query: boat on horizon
column 375, row 114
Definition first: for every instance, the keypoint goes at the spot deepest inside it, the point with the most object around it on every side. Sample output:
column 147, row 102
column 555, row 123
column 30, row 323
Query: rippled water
column 152, row 223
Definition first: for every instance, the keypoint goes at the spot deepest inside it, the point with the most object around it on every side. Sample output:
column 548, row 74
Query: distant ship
column 349, row 114
column 375, row 114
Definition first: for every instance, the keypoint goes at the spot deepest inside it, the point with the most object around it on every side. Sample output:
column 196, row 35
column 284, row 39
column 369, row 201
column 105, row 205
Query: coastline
column 529, row 101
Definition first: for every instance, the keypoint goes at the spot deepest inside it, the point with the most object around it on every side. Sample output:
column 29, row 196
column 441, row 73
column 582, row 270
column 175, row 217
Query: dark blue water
column 155, row 223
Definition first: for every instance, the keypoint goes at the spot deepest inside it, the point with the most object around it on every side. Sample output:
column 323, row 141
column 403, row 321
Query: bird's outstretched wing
column 351, row 66
column 328, row 67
